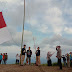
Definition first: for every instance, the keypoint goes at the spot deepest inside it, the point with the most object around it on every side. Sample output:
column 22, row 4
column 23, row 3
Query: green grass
column 44, row 64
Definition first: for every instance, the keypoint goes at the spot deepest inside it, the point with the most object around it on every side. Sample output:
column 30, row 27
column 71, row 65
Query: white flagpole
column 23, row 30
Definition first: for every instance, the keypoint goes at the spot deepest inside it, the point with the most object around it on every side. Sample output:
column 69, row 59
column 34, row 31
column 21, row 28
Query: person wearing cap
column 29, row 53
column 37, row 56
column 58, row 48
column 23, row 55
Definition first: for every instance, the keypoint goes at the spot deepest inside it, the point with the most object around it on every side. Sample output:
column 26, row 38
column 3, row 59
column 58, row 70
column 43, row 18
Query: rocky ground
column 17, row 68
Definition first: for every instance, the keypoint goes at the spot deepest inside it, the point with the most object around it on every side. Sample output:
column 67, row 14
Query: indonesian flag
column 4, row 34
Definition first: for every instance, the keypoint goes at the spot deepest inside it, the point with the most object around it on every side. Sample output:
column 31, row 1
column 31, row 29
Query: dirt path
column 17, row 68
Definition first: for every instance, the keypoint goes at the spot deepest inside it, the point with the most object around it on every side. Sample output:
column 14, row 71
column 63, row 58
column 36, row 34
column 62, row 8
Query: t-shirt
column 23, row 51
column 0, row 57
column 29, row 53
column 38, row 53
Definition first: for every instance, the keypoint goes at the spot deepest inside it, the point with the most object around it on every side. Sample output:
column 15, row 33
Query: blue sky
column 48, row 21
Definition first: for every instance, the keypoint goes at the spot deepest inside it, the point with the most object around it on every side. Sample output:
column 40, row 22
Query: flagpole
column 23, row 31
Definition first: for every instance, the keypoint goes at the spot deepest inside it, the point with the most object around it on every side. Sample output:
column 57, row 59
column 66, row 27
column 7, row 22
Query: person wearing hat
column 37, row 56
column 58, row 48
column 23, row 55
column 29, row 53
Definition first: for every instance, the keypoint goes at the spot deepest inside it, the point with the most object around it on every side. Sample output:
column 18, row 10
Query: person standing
column 29, row 53
column 17, row 58
column 23, row 55
column 3, row 58
column 49, row 62
column 68, row 60
column 38, row 56
column 64, row 60
column 0, row 58
column 6, row 57
column 71, row 58
column 58, row 48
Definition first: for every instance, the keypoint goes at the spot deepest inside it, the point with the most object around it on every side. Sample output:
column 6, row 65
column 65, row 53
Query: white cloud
column 55, row 40
column 68, row 30
column 17, row 38
column 40, row 14
column 33, row 22
column 54, row 18
column 27, row 36
column 69, row 11
column 10, row 49
column 43, row 28
column 42, row 1
column 9, row 1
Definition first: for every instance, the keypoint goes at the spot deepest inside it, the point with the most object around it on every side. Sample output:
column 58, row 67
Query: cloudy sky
column 49, row 22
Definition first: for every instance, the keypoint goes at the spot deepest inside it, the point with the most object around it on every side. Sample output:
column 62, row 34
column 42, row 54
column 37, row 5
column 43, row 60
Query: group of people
column 28, row 53
column 49, row 54
column 3, row 58
column 66, row 58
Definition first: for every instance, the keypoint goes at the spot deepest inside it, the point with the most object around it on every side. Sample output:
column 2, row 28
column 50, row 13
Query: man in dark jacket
column 23, row 55
column 29, row 53
column 37, row 56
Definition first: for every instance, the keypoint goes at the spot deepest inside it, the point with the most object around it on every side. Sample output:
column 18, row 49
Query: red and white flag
column 4, row 33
